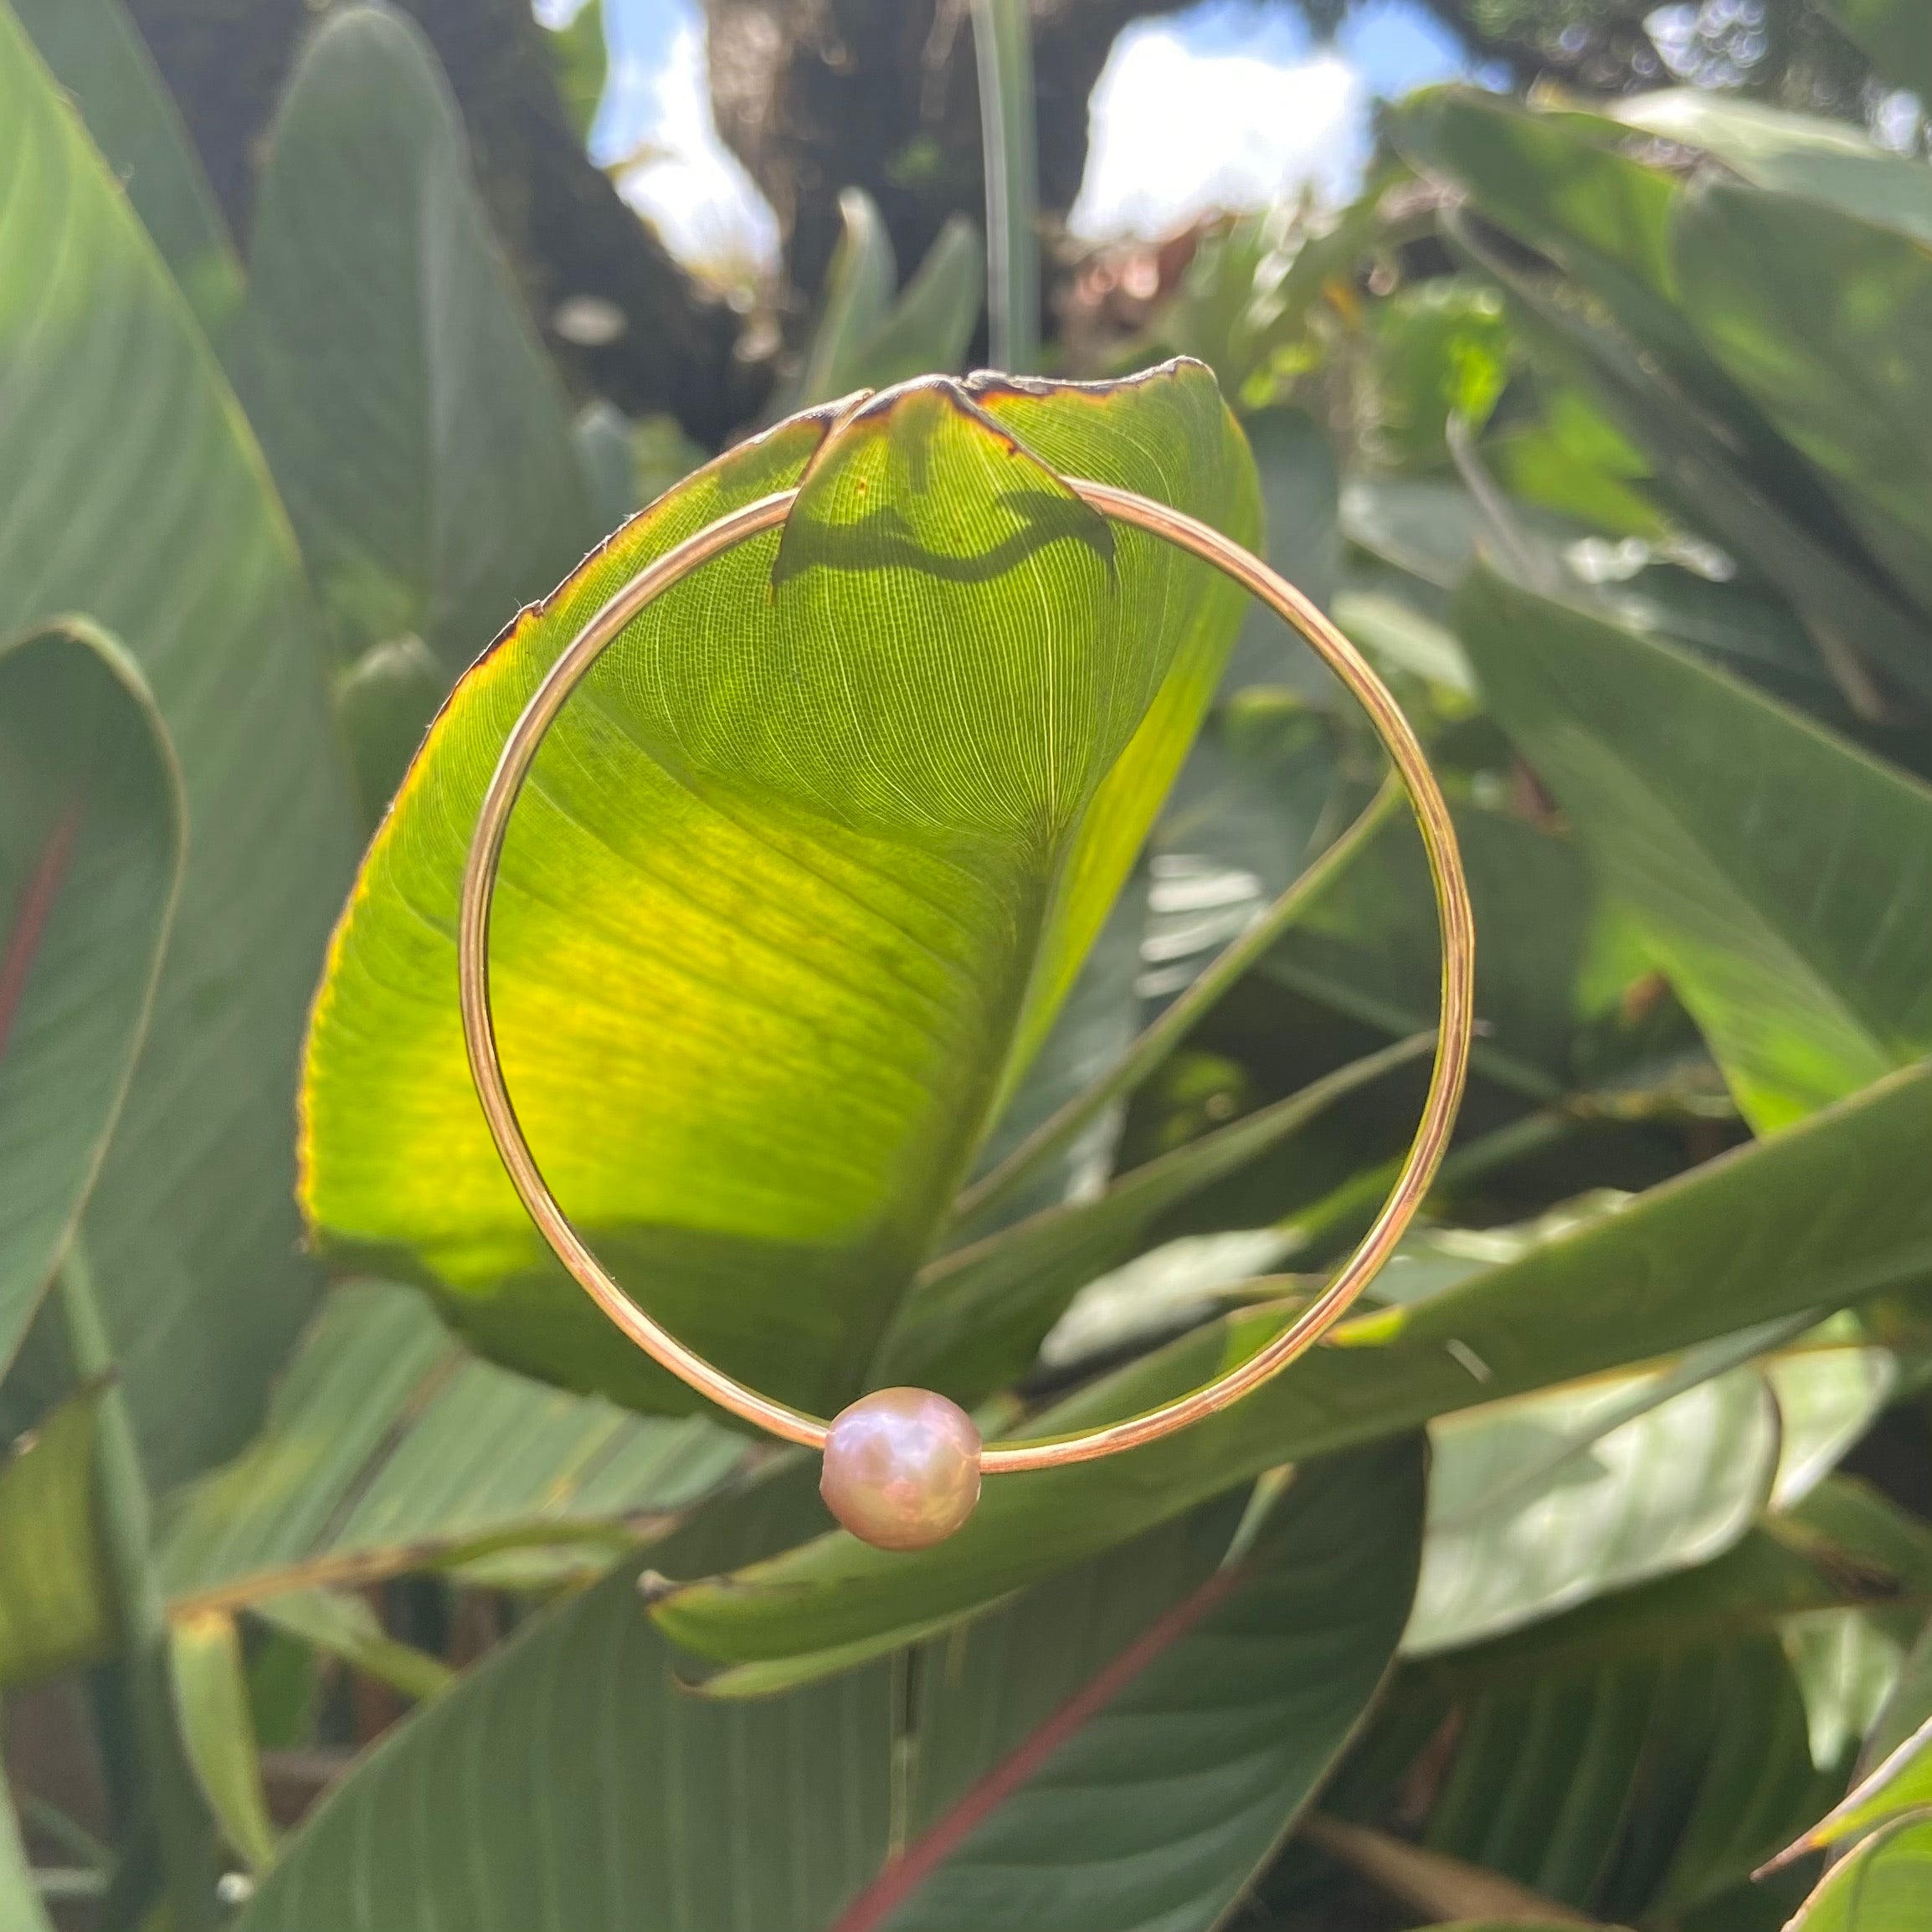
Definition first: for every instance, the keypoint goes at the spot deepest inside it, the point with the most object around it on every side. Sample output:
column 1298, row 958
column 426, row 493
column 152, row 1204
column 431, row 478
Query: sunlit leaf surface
column 799, row 882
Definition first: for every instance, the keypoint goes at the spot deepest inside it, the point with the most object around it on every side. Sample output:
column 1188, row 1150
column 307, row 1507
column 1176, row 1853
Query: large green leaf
column 797, row 885
column 388, row 1448
column 1776, row 871
column 1598, row 214
column 176, row 544
column 1118, row 1749
column 1882, row 1887
column 91, row 832
column 1541, row 1502
column 1832, row 1209
column 1827, row 321
column 96, row 55
column 1796, row 153
column 55, row 1609
column 416, row 430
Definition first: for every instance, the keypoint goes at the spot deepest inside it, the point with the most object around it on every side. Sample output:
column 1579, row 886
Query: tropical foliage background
column 955, row 945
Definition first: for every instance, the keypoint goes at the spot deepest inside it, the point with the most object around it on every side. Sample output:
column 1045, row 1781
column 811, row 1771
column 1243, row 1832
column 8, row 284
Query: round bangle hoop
column 1418, row 1169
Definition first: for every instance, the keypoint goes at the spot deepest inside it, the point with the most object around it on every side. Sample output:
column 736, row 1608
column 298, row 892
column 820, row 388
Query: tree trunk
column 816, row 95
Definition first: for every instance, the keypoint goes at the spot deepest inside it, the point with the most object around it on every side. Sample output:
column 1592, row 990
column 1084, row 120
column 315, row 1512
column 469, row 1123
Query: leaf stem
column 1003, row 50
column 1153, row 1046
column 187, row 1845
column 1352, row 1207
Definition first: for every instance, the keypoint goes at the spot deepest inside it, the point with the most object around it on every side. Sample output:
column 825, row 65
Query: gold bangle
column 964, row 1461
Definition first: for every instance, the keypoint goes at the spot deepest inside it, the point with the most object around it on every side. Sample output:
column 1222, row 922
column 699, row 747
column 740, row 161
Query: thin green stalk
column 1155, row 1043
column 1003, row 50
column 1352, row 1207
column 186, row 1844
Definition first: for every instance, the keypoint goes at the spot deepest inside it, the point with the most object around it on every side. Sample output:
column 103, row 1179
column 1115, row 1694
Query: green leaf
column 602, row 433
column 91, row 836
column 1909, row 1705
column 20, row 1905
column 1300, row 497
column 1796, row 153
column 1755, row 1590
column 1442, row 349
column 55, row 1609
column 417, row 431
column 1090, row 1034
column 345, row 1626
column 97, row 56
column 1826, row 321
column 1772, row 867
column 580, row 61
column 1573, row 460
column 1745, row 627
column 1113, row 1750
column 1369, row 947
column 762, row 971
column 384, row 702
column 177, row 547
column 975, row 1319
column 929, row 327
column 1540, row 1504
column 1602, row 216
column 1847, row 1661
column 858, row 290
column 1829, row 1210
column 387, row 1449
column 210, row 1706
column 866, row 340
column 1894, row 33
column 1420, row 525
column 1699, row 461
column 1828, row 1397
column 1901, row 1784
column 1845, row 1518
column 1631, row 1789
column 1881, row 1887
column 1556, row 182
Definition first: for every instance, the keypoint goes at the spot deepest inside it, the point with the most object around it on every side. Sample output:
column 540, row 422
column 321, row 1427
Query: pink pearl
column 901, row 1468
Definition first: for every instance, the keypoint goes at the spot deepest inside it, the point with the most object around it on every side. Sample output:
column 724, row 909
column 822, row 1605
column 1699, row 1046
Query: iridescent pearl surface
column 901, row 1468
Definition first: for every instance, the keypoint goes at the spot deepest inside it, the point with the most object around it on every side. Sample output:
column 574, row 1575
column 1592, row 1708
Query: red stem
column 36, row 907
column 904, row 1875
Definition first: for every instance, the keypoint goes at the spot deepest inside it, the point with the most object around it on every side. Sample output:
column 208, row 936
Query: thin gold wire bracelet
column 902, row 1466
